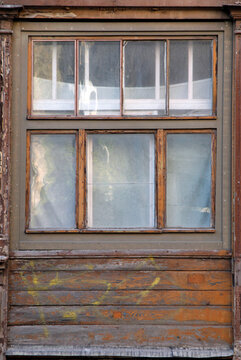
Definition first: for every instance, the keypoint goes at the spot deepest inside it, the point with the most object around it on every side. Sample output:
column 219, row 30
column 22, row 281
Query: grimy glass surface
column 144, row 78
column 188, row 200
column 52, row 181
column 53, row 78
column 99, row 78
column 190, row 77
column 120, row 181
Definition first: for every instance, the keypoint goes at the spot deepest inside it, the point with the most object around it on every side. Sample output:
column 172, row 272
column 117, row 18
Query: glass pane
column 53, row 78
column 188, row 180
column 144, row 78
column 99, row 78
column 120, row 180
column 190, row 77
column 52, row 181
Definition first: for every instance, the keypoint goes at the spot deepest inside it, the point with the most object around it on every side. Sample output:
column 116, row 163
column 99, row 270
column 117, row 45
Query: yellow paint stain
column 70, row 315
column 102, row 298
column 35, row 279
column 89, row 266
column 55, row 281
column 46, row 332
column 146, row 292
column 150, row 258
column 31, row 263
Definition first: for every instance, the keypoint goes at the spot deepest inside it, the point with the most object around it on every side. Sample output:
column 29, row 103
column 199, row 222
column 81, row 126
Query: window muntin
column 118, row 193
column 177, row 77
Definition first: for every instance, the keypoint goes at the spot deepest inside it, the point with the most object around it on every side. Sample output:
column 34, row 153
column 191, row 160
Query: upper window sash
column 122, row 78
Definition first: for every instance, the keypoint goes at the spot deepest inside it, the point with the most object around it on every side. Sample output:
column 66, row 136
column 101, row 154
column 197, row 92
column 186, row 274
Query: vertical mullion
column 30, row 77
column 213, row 177
column 121, row 76
column 214, row 74
column 27, row 196
column 151, row 184
column 161, row 176
column 167, row 63
column 157, row 70
column 76, row 77
column 54, row 70
column 190, row 70
column 81, row 181
column 90, row 182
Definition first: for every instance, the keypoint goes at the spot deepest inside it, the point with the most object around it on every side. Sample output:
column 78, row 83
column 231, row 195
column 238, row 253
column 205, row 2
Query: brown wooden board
column 147, row 264
column 121, row 335
column 109, row 280
column 120, row 297
column 122, row 3
column 117, row 315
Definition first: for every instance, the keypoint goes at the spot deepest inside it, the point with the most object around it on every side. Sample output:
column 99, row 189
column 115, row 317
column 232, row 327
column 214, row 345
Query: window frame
column 121, row 40
column 159, row 180
column 114, row 243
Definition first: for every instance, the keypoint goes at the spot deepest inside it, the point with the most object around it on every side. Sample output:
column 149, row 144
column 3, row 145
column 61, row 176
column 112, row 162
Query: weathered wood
column 120, row 297
column 122, row 335
column 221, row 351
column 112, row 315
column 146, row 264
column 123, row 3
column 137, row 253
column 97, row 280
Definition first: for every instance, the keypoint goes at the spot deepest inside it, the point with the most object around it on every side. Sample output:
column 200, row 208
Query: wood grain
column 121, row 335
column 98, row 280
column 145, row 264
column 121, row 297
column 117, row 315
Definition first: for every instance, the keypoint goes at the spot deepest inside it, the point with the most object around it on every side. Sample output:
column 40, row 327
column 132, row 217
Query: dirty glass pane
column 144, row 78
column 99, row 78
column 188, row 198
column 52, row 181
column 190, row 77
column 53, row 78
column 120, row 180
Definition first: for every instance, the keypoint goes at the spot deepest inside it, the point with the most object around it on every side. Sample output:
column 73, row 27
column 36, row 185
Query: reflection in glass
column 99, row 78
column 190, row 77
column 120, row 180
column 52, row 181
column 144, row 78
column 188, row 201
column 53, row 77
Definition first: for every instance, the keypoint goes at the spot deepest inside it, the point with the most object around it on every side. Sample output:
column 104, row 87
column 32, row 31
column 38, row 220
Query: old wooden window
column 125, row 132
column 119, row 78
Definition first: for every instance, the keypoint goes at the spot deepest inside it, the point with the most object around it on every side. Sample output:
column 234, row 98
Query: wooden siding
column 152, row 302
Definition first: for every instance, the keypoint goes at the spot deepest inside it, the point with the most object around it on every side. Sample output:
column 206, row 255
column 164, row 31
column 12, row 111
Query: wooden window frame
column 160, row 181
column 121, row 40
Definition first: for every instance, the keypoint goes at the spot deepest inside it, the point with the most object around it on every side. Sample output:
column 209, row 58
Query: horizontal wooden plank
column 121, row 3
column 114, row 315
column 121, row 297
column 109, row 280
column 121, row 335
column 143, row 352
column 145, row 264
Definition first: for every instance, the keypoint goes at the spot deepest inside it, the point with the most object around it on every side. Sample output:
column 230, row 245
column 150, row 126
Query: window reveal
column 119, row 190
